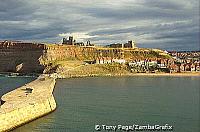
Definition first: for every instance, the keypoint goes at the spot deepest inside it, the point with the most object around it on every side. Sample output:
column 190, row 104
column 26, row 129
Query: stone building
column 73, row 42
column 130, row 44
column 79, row 44
column 88, row 43
column 116, row 45
column 69, row 41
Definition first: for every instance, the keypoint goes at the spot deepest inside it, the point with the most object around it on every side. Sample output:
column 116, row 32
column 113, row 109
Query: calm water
column 84, row 102
column 10, row 83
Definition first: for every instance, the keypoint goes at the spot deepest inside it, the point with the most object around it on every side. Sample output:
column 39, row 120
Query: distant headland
column 71, row 59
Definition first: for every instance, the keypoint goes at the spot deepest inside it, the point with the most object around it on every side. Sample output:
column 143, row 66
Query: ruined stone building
column 129, row 44
column 116, row 45
column 73, row 42
column 69, row 41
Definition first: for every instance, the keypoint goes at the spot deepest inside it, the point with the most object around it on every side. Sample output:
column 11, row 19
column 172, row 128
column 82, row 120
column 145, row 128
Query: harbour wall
column 27, row 103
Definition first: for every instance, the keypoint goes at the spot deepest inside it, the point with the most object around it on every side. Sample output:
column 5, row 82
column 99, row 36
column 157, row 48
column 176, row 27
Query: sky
column 163, row 24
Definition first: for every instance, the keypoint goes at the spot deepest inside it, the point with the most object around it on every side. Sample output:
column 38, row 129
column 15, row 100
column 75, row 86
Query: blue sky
column 164, row 24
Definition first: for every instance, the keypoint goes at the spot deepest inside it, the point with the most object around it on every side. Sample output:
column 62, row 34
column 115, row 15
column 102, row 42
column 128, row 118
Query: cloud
column 78, row 36
column 172, row 24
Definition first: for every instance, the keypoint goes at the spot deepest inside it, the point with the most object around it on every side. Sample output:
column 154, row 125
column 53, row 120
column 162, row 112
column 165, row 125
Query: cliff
column 21, row 57
column 27, row 103
column 35, row 58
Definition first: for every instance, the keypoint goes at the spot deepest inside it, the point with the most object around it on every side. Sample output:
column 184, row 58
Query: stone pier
column 27, row 103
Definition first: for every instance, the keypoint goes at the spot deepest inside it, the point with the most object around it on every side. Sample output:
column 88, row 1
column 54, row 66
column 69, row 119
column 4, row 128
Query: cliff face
column 67, row 52
column 18, row 58
column 33, row 58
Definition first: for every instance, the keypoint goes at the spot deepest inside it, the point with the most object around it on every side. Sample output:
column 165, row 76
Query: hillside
column 49, row 58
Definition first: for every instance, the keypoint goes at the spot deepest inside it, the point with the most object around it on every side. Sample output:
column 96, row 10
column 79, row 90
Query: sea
column 118, row 104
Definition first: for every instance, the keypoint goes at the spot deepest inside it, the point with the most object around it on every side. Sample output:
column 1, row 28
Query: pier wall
column 27, row 103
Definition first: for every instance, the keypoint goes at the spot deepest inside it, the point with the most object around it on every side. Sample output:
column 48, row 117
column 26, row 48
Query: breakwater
column 27, row 103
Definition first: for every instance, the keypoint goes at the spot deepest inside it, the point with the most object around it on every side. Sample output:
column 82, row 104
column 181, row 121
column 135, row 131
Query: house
column 174, row 68
column 99, row 60
column 187, row 67
column 162, row 63
column 107, row 60
column 103, row 60
column 121, row 61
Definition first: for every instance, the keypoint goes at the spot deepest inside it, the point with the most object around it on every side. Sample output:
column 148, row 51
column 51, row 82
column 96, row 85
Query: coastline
column 56, row 75
column 167, row 74
column 196, row 74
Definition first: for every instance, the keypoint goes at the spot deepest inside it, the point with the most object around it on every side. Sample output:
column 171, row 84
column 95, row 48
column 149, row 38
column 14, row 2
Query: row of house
column 142, row 63
column 108, row 60
column 167, row 65
column 147, row 64
column 184, row 54
column 185, row 61
column 180, row 67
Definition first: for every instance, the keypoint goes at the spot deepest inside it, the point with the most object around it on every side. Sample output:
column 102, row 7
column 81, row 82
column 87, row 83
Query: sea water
column 10, row 83
column 83, row 103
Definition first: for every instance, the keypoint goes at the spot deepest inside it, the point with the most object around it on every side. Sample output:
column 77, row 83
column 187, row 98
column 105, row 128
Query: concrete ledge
column 27, row 103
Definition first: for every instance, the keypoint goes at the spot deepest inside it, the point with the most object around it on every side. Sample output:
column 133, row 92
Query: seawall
column 27, row 103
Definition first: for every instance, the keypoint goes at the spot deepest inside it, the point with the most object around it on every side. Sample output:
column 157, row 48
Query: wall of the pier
column 21, row 107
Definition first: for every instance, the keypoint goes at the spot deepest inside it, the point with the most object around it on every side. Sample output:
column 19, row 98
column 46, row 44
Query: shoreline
column 167, row 74
column 58, row 76
column 61, row 76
